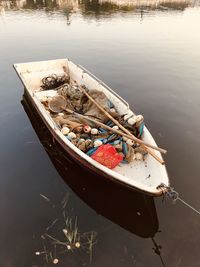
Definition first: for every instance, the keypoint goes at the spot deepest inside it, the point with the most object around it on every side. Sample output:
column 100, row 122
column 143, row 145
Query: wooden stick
column 119, row 125
column 153, row 154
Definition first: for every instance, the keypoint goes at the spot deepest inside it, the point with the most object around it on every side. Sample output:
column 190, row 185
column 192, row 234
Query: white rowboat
column 144, row 176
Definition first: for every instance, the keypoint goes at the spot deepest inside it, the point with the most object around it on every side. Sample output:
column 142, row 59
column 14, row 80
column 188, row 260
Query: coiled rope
column 170, row 193
column 53, row 81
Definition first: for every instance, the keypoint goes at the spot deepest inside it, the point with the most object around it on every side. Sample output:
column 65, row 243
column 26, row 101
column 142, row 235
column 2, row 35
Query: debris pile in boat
column 107, row 147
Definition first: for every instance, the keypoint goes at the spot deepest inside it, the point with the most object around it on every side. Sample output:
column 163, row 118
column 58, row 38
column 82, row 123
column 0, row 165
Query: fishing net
column 90, row 109
column 57, row 104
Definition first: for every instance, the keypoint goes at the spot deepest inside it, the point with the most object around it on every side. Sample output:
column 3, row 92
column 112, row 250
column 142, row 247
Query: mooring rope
column 188, row 205
column 170, row 193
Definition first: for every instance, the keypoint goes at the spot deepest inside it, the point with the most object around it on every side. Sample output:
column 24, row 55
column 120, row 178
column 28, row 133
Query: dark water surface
column 149, row 52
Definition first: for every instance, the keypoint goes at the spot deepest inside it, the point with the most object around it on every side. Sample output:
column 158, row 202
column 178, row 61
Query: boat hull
column 25, row 73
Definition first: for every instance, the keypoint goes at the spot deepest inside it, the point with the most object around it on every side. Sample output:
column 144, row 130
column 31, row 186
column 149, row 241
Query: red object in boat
column 107, row 156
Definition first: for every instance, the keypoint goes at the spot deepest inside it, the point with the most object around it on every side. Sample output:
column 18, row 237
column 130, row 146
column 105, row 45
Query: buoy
column 97, row 143
column 77, row 244
column 72, row 135
column 65, row 231
column 115, row 127
column 130, row 142
column 138, row 156
column 65, row 130
column 82, row 146
column 88, row 143
column 139, row 118
column 55, row 261
column 113, row 110
column 94, row 131
column 131, row 121
column 86, row 129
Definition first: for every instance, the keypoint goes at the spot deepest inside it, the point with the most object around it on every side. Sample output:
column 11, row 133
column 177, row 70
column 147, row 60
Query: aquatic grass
column 45, row 254
column 71, row 238
column 65, row 200
column 51, row 225
column 90, row 238
column 44, row 197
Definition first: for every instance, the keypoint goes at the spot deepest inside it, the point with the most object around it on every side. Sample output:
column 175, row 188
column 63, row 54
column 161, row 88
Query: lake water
column 149, row 53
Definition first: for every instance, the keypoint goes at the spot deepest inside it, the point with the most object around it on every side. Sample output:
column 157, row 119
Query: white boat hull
column 144, row 176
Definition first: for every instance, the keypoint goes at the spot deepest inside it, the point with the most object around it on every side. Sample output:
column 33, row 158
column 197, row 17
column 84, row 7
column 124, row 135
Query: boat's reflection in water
column 131, row 210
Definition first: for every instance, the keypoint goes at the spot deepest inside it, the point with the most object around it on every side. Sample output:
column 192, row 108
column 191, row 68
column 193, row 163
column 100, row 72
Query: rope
column 53, row 81
column 189, row 206
column 170, row 193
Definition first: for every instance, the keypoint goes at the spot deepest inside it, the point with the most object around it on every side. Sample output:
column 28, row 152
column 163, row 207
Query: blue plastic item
column 110, row 123
column 141, row 128
column 124, row 148
column 91, row 151
column 110, row 104
column 124, row 161
column 102, row 130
